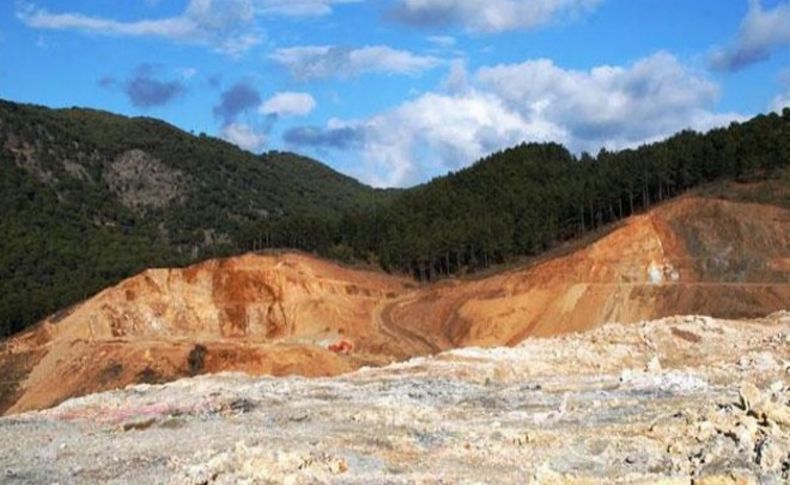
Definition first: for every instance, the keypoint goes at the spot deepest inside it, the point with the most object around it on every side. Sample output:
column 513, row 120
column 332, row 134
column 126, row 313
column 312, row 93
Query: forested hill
column 88, row 198
column 527, row 199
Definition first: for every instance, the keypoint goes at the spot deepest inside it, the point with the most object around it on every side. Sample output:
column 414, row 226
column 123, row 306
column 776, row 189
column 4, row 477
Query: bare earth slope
column 690, row 256
column 272, row 315
column 294, row 314
column 679, row 400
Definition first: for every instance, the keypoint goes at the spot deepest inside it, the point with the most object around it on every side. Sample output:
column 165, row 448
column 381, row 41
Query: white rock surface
column 677, row 399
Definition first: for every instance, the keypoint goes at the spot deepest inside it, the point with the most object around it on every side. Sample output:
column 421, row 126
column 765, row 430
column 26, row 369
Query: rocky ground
column 676, row 400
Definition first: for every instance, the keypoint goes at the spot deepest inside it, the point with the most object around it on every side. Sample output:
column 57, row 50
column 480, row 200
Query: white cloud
column 611, row 105
column 228, row 26
column 497, row 107
column 238, row 45
column 437, row 132
column 316, row 62
column 243, row 136
column 458, row 77
column 311, row 8
column 489, row 15
column 289, row 104
column 761, row 32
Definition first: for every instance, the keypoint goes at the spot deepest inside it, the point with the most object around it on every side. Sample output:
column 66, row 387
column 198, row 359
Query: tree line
column 525, row 200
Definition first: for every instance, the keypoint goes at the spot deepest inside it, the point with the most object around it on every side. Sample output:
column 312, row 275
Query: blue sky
column 394, row 92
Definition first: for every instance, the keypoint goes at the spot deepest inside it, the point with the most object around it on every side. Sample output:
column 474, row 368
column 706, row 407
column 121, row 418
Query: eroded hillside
column 692, row 255
column 295, row 314
column 275, row 315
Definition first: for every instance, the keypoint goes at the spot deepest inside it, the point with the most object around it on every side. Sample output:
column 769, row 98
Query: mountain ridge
column 90, row 198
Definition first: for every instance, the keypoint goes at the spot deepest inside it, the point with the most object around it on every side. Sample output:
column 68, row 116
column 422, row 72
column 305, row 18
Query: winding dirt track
column 382, row 318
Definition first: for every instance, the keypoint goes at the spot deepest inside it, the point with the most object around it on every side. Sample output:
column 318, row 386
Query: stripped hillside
column 294, row 314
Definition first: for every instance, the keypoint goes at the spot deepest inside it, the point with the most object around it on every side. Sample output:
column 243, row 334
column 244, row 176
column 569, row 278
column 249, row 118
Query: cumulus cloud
column 488, row 15
column 611, row 105
column 458, row 78
column 439, row 132
column 228, row 26
column 288, row 104
column 144, row 89
column 495, row 107
column 244, row 136
column 316, row 62
column 762, row 31
column 426, row 136
column 236, row 100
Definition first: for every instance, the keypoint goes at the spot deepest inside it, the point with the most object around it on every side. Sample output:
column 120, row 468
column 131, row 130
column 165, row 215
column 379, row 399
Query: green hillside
column 88, row 198
column 527, row 199
column 530, row 198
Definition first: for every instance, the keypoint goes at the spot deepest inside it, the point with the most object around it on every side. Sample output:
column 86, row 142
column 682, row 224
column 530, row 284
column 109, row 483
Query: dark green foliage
column 66, row 234
column 149, row 376
column 196, row 359
column 527, row 199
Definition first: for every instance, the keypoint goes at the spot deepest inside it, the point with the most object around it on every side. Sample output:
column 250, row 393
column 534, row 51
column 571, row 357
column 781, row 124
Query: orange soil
column 296, row 314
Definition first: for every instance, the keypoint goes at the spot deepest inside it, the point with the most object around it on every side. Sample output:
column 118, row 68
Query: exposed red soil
column 296, row 314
